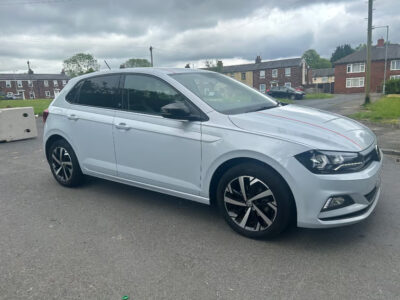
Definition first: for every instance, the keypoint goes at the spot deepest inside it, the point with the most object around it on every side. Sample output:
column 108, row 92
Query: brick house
column 31, row 86
column 262, row 75
column 350, row 70
column 323, row 79
column 292, row 72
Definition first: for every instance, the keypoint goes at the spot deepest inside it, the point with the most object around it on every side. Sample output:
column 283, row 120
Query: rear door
column 151, row 149
column 91, row 116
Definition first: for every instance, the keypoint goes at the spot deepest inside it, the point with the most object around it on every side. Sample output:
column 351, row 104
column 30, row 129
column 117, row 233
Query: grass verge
column 385, row 110
column 318, row 96
column 39, row 105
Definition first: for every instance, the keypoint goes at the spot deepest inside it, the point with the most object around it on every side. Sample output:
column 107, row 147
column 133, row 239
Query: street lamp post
column 386, row 52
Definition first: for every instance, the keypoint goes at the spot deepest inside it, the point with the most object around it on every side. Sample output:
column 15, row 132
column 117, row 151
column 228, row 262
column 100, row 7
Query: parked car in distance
column 285, row 92
column 205, row 137
column 14, row 97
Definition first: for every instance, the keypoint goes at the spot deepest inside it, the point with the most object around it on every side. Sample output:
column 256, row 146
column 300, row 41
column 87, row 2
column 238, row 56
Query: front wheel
column 254, row 200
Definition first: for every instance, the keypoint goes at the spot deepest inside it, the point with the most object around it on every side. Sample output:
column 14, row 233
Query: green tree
column 341, row 51
column 137, row 63
column 80, row 63
column 315, row 61
column 214, row 65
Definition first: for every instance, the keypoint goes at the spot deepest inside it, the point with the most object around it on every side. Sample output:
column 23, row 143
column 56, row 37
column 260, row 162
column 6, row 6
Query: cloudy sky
column 181, row 31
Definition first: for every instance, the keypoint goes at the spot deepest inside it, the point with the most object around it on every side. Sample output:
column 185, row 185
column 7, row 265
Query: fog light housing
column 336, row 202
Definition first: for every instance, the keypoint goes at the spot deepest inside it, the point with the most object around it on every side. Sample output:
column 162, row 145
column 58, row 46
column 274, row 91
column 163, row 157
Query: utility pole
column 369, row 42
column 151, row 55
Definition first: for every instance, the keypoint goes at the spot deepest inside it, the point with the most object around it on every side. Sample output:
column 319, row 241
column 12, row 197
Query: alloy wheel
column 61, row 163
column 250, row 203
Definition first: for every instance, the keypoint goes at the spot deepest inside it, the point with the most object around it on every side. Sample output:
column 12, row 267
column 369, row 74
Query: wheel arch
column 51, row 139
column 227, row 164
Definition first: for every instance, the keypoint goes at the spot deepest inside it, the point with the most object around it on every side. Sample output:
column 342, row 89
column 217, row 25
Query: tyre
column 255, row 201
column 64, row 164
column 292, row 97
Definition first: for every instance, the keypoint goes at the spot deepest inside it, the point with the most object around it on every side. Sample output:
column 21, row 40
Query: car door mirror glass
column 176, row 110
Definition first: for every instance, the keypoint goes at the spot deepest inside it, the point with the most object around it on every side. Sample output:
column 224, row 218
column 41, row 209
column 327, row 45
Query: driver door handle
column 73, row 117
column 122, row 126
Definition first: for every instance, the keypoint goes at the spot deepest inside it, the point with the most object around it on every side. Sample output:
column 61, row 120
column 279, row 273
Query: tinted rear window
column 100, row 91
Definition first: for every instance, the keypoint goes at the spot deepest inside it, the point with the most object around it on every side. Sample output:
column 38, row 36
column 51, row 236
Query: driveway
column 105, row 240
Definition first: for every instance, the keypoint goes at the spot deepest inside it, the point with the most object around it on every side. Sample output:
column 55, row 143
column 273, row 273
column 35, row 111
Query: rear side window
column 73, row 93
column 147, row 94
column 101, row 91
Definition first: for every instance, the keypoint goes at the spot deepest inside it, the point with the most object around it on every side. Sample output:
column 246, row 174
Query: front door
column 151, row 149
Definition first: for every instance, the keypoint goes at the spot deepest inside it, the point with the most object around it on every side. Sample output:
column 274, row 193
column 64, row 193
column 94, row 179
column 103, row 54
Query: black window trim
column 203, row 116
column 95, row 76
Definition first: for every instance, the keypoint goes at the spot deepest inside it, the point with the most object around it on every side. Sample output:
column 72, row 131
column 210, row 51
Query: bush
column 393, row 86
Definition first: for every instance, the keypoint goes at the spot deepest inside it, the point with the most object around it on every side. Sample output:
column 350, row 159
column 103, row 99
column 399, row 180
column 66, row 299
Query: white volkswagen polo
column 206, row 137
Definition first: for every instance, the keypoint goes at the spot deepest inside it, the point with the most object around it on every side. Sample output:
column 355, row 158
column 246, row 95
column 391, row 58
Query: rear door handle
column 122, row 126
column 73, row 117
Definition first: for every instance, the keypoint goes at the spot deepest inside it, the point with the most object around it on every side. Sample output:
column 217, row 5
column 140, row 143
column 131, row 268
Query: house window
column 47, row 93
column 10, row 94
column 274, row 83
column 55, row 82
column 287, row 72
column 8, row 83
column 19, row 83
column 356, row 68
column 324, row 79
column 46, row 83
column 262, row 88
column 32, row 95
column 275, row 73
column 288, row 84
column 395, row 65
column 355, row 82
column 243, row 76
column 30, row 83
column 64, row 82
column 262, row 74
column 395, row 77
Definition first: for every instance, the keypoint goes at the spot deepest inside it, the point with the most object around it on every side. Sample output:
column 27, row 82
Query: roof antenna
column 107, row 64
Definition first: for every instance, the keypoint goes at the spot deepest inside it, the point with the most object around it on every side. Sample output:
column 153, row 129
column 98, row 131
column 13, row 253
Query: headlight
column 331, row 162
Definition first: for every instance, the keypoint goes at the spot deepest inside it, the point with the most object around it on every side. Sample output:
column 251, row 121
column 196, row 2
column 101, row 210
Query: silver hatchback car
column 206, row 137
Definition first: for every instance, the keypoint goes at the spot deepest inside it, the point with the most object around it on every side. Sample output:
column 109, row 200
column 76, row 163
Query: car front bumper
column 311, row 191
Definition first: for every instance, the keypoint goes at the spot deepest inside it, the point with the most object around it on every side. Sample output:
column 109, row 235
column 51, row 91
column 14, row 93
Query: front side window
column 262, row 74
column 243, row 76
column 147, row 94
column 355, row 82
column 356, row 68
column 223, row 94
column 287, row 72
column 101, row 91
column 275, row 73
column 395, row 65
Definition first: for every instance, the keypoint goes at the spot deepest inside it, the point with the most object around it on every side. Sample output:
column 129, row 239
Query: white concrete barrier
column 17, row 124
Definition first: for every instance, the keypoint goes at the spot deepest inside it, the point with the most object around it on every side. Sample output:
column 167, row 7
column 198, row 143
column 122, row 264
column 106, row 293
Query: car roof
column 152, row 71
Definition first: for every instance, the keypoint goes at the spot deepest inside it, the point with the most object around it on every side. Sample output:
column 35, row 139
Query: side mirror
column 176, row 110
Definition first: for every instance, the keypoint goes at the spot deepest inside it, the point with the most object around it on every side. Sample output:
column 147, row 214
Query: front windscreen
column 224, row 94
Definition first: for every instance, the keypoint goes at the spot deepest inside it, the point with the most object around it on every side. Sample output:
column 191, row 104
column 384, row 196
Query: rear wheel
column 254, row 200
column 64, row 164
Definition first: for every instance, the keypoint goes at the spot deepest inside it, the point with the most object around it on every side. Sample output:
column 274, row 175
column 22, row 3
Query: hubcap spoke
column 234, row 202
column 262, row 215
column 242, row 187
column 261, row 195
column 62, row 164
column 245, row 218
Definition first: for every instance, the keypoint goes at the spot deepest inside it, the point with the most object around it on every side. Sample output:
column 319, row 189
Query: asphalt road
column 105, row 240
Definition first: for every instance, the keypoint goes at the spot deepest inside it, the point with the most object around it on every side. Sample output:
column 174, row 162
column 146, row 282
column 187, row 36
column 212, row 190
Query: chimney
column 62, row 72
column 258, row 59
column 381, row 42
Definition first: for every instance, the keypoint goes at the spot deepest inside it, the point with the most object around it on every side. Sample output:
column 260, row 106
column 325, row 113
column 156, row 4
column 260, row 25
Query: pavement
column 388, row 135
column 105, row 240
